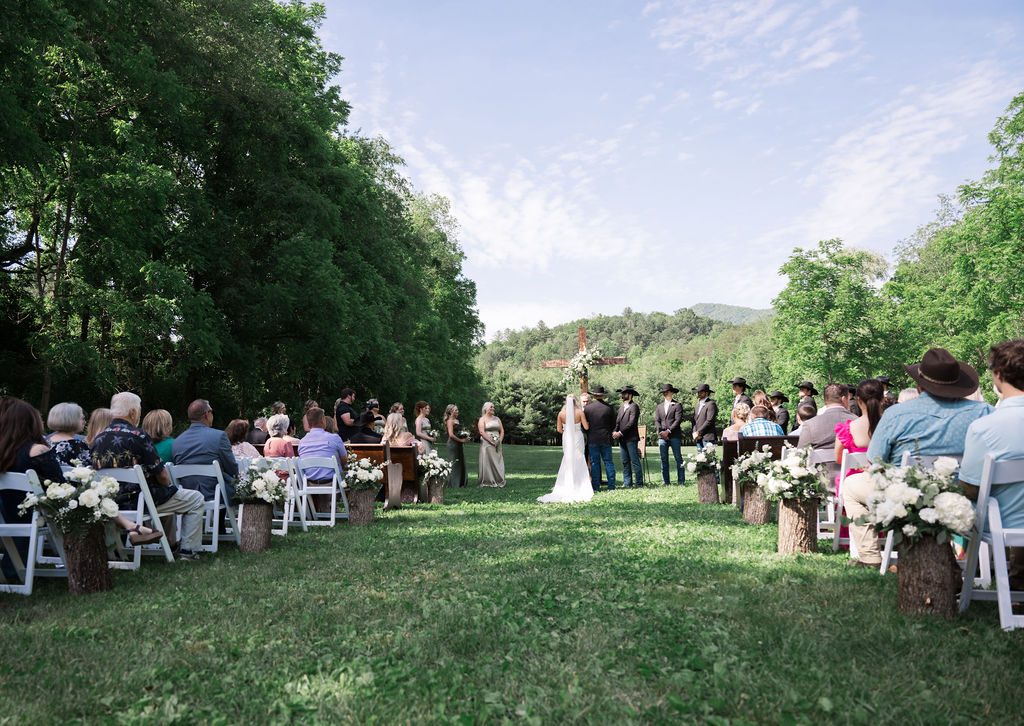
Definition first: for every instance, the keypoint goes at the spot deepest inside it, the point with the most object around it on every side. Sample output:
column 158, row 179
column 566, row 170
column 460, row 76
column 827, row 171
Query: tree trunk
column 436, row 490
column 756, row 509
column 86, row 558
column 707, row 488
column 255, row 527
column 360, row 506
column 798, row 525
column 928, row 579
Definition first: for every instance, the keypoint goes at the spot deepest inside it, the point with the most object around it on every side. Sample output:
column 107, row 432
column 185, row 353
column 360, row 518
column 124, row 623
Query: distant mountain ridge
column 735, row 314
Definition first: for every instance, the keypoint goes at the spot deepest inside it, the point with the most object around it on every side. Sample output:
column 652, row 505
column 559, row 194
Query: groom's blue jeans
column 677, row 452
column 631, row 473
column 599, row 452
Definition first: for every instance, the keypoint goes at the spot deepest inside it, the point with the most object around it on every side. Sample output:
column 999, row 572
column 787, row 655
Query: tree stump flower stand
column 756, row 509
column 86, row 557
column 798, row 525
column 361, row 504
column 436, row 490
column 928, row 579
column 256, row 523
column 707, row 488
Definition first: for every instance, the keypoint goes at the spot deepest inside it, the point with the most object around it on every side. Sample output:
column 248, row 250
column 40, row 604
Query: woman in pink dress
column 855, row 435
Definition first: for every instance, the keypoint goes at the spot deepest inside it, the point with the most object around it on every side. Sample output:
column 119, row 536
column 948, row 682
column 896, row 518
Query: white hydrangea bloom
column 109, row 507
column 90, row 498
column 945, row 466
column 929, row 515
column 909, row 530
column 955, row 511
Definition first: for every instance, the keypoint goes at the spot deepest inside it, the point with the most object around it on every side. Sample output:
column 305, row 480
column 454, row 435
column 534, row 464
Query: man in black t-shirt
column 345, row 415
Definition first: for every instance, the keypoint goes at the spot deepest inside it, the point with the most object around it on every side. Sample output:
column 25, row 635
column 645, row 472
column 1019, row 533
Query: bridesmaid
column 492, row 462
column 458, row 477
column 422, row 411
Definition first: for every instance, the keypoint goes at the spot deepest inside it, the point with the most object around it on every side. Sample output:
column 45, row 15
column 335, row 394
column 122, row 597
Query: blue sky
column 654, row 155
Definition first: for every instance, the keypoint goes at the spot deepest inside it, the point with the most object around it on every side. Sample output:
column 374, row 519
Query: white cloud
column 685, row 156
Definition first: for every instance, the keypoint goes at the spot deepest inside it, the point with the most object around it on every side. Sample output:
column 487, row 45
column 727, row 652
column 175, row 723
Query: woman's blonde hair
column 393, row 427
column 483, row 409
column 98, row 420
column 158, row 424
column 740, row 413
column 449, row 411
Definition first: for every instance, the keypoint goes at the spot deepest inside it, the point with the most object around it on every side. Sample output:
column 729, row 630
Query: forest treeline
column 182, row 214
column 844, row 315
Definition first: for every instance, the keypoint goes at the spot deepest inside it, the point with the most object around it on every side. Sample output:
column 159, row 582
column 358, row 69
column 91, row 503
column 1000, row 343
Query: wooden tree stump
column 255, row 526
column 707, row 488
column 756, row 509
column 86, row 558
column 436, row 490
column 928, row 578
column 798, row 525
column 360, row 506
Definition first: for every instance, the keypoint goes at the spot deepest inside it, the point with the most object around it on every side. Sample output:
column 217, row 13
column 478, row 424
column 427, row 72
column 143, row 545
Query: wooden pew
column 732, row 450
column 400, row 482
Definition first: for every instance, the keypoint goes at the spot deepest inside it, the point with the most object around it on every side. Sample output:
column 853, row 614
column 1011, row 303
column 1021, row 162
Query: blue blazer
column 200, row 444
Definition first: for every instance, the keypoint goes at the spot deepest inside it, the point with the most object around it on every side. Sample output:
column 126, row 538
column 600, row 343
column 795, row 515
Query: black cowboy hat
column 737, row 381
column 628, row 388
column 942, row 375
column 884, row 380
column 665, row 387
column 598, row 391
column 702, row 388
column 779, row 395
column 809, row 386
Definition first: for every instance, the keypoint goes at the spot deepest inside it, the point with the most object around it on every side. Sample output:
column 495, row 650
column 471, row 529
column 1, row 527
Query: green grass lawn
column 641, row 606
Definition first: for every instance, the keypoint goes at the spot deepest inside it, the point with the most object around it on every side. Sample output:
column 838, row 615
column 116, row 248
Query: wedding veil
column 569, row 436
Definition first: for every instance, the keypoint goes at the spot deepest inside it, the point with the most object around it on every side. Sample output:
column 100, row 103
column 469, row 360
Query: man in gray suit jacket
column 820, row 432
column 627, row 433
column 667, row 419
column 200, row 444
column 704, row 415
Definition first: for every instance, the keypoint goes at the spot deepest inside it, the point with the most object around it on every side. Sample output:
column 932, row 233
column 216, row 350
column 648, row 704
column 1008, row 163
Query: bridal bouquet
column 378, row 427
column 579, row 364
column 462, row 434
column 753, row 468
column 73, row 507
column 493, row 437
column 432, row 468
column 363, row 474
column 793, row 477
column 262, row 483
column 704, row 461
column 915, row 502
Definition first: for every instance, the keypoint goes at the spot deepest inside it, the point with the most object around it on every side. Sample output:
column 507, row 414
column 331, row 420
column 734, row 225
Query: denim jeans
column 599, row 452
column 631, row 473
column 677, row 452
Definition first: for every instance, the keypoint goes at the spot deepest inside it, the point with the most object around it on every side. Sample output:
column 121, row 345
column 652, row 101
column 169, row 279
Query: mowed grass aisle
column 639, row 607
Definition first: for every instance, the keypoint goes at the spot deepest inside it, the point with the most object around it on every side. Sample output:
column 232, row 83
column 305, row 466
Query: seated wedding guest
column 319, row 443
column 158, row 425
column 778, row 398
column 345, row 415
column 935, row 423
column 66, row 420
column 820, row 432
column 854, row 435
column 999, row 434
column 200, row 443
column 291, row 434
column 395, row 432
column 99, row 419
column 123, row 444
column 907, row 394
column 278, row 444
column 740, row 412
column 804, row 413
column 422, row 411
column 258, row 436
column 761, row 399
column 238, row 431
column 365, row 433
column 759, row 425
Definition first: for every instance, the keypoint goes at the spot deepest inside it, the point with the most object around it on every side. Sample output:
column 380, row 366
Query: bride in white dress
column 573, row 482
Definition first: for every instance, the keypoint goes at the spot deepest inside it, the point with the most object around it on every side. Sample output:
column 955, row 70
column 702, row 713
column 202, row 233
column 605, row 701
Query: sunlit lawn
column 640, row 606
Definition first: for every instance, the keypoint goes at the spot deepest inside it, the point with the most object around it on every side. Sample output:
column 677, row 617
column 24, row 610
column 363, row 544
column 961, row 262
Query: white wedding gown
column 573, row 482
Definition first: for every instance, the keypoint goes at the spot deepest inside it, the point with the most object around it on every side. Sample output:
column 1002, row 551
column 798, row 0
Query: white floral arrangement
column 915, row 502
column 493, row 437
column 704, row 461
column 753, row 467
column 73, row 507
column 432, row 468
column 363, row 474
column 794, row 477
column 580, row 364
column 378, row 427
column 261, row 482
column 431, row 433
column 462, row 434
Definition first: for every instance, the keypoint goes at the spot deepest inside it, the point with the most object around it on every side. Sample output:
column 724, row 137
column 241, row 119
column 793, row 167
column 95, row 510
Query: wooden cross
column 564, row 362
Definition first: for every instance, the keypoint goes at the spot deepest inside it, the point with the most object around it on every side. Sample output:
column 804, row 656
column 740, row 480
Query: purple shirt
column 320, row 443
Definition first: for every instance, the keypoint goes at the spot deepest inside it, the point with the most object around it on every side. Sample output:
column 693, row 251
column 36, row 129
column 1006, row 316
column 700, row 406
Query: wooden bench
column 400, row 482
column 732, row 450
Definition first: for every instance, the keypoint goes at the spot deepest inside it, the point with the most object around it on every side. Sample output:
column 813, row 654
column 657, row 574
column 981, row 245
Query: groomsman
column 704, row 416
column 781, row 414
column 807, row 394
column 627, row 433
column 668, row 418
column 739, row 387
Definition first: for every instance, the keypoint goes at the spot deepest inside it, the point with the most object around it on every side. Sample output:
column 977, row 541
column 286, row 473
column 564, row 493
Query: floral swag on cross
column 579, row 365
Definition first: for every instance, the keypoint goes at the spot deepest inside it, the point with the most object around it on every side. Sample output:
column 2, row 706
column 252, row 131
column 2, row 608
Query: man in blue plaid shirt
column 759, row 425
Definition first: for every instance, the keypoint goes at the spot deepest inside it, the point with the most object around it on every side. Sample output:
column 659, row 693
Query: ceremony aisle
column 641, row 606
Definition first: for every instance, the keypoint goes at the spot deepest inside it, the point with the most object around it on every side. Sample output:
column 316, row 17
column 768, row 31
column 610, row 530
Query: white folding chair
column 9, row 532
column 994, row 473
column 295, row 505
column 851, row 460
column 315, row 517
column 827, row 526
column 144, row 510
column 221, row 500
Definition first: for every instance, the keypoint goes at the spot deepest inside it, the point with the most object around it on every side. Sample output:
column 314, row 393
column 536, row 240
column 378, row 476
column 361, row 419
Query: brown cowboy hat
column 942, row 375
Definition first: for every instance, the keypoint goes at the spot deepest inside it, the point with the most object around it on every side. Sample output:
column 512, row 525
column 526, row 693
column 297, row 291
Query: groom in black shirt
column 601, row 418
